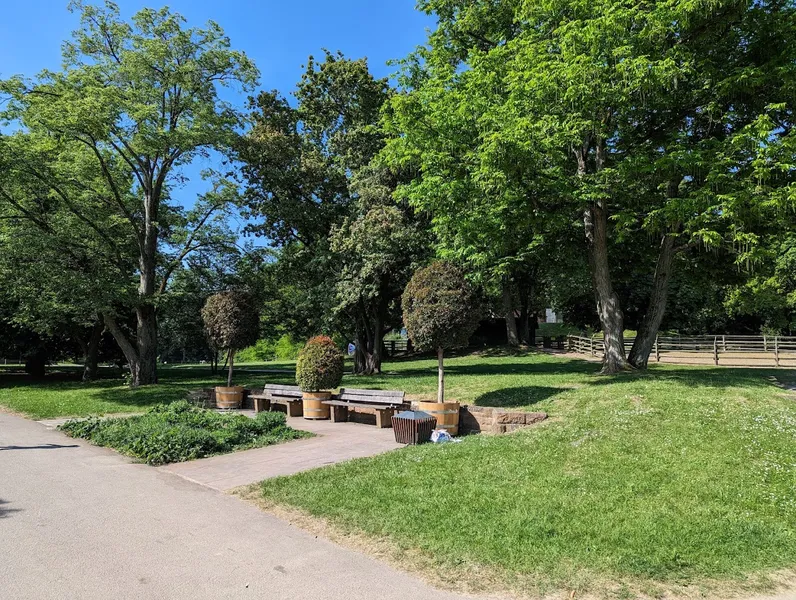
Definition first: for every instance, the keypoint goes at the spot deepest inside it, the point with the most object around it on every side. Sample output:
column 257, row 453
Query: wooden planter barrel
column 313, row 405
column 229, row 397
column 446, row 413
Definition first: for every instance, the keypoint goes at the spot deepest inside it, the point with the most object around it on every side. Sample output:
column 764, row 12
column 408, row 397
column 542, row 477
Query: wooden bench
column 382, row 403
column 287, row 395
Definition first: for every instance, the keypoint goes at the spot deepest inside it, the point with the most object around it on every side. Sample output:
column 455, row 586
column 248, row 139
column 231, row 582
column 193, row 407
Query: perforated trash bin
column 413, row 426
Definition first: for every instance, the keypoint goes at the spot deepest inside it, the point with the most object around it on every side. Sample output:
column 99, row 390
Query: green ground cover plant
column 177, row 432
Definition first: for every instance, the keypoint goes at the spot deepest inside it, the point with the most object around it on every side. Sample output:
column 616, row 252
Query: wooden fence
column 726, row 350
column 395, row 347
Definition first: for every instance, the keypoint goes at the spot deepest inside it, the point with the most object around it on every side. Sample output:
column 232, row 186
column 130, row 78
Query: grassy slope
column 677, row 476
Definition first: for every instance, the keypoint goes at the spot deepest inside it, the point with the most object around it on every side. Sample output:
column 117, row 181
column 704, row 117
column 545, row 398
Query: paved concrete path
column 334, row 442
column 82, row 522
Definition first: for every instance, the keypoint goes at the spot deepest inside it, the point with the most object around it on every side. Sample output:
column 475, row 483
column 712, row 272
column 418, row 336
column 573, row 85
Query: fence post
column 776, row 350
column 392, row 347
column 592, row 346
column 765, row 343
column 657, row 350
column 724, row 343
column 715, row 350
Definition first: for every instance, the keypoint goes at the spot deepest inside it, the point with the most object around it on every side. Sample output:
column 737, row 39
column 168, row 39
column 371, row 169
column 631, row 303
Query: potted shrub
column 441, row 310
column 319, row 368
column 232, row 322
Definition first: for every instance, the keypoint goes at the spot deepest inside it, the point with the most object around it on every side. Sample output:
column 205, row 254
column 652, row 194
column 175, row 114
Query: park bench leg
column 295, row 409
column 384, row 418
column 260, row 404
column 339, row 414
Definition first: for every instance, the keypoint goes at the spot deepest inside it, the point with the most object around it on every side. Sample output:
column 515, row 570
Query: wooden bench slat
column 357, row 398
column 361, row 405
column 362, row 392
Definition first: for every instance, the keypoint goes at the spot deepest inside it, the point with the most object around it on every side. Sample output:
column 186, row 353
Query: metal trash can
column 413, row 426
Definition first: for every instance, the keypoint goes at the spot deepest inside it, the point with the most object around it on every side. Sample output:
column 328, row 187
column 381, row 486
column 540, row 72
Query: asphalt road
column 80, row 522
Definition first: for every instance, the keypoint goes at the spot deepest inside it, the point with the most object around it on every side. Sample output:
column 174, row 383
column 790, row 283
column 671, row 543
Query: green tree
column 441, row 311
column 232, row 322
column 346, row 250
column 638, row 117
column 133, row 104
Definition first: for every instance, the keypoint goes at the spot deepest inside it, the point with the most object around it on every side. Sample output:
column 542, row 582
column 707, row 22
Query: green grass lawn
column 684, row 476
column 62, row 394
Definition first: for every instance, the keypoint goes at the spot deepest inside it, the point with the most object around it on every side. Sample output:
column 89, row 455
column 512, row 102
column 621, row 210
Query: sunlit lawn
column 682, row 476
column 61, row 393
column 642, row 482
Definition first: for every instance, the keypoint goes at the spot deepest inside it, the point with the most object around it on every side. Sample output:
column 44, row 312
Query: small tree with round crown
column 232, row 322
column 441, row 310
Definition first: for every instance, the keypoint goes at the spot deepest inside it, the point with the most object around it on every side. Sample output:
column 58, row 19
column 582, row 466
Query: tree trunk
column 92, row 351
column 512, row 338
column 231, row 365
column 595, row 221
column 127, row 348
column 527, row 326
column 147, row 325
column 441, row 373
column 147, row 342
column 369, row 346
column 648, row 331
column 608, row 306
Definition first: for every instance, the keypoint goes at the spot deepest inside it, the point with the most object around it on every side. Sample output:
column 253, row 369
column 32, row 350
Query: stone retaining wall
column 472, row 419
column 485, row 419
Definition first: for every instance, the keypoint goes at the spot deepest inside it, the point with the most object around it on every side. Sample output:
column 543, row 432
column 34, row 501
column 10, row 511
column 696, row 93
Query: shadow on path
column 41, row 447
column 4, row 512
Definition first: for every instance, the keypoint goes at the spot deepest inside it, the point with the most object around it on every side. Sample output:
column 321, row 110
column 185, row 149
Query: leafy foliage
column 441, row 309
column 319, row 365
column 100, row 144
column 283, row 348
column 231, row 319
column 178, row 432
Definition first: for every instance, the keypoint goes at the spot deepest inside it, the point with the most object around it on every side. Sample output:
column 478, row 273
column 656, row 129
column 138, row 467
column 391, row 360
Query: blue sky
column 277, row 35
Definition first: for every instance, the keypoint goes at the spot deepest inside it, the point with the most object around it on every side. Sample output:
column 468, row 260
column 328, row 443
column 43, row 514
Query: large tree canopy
column 658, row 117
column 100, row 144
column 316, row 190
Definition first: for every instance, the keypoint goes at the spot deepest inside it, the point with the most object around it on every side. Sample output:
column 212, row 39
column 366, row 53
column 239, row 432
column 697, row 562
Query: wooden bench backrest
column 289, row 391
column 388, row 397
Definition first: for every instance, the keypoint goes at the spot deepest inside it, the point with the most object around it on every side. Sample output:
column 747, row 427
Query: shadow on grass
column 710, row 377
column 517, row 396
column 571, row 367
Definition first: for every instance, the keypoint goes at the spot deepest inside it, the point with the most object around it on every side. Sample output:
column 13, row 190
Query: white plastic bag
column 440, row 436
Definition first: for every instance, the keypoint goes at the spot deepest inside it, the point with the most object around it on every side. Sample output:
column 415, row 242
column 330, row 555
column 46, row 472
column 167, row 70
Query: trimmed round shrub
column 232, row 320
column 320, row 365
column 440, row 308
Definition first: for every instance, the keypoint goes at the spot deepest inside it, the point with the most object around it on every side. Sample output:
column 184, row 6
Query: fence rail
column 729, row 350
column 395, row 347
